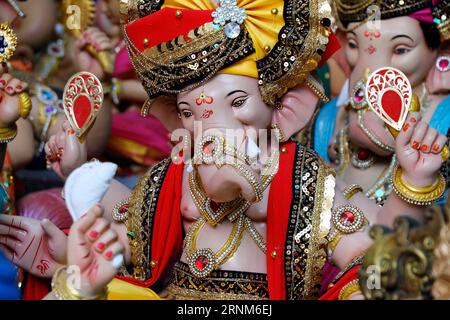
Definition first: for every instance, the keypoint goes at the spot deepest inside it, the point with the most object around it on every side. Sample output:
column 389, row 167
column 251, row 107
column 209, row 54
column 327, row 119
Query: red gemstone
column 208, row 148
column 348, row 217
column 123, row 208
column 363, row 154
column 444, row 63
column 201, row 262
column 359, row 96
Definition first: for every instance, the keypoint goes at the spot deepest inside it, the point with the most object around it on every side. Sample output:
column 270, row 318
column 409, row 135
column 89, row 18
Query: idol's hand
column 64, row 151
column 94, row 247
column 418, row 149
column 84, row 60
column 39, row 247
column 10, row 88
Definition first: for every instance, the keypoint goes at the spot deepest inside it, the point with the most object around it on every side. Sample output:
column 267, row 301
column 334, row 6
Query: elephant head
column 406, row 40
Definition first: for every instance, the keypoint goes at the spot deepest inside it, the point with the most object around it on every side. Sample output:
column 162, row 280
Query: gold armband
column 63, row 291
column 8, row 134
column 421, row 196
column 24, row 105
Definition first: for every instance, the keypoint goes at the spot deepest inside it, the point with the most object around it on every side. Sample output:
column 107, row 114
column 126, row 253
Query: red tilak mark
column 40, row 241
column 372, row 34
column 203, row 98
column 43, row 266
column 371, row 50
column 207, row 114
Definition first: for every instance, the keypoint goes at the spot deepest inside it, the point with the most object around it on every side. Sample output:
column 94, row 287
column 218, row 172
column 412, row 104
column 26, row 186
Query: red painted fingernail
column 100, row 246
column 416, row 145
column 424, row 148
column 10, row 89
column 109, row 255
column 436, row 148
column 70, row 132
column 19, row 87
column 2, row 83
column 413, row 120
column 406, row 127
column 93, row 234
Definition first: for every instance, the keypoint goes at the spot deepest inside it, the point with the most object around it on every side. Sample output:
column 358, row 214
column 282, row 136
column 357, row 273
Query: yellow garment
column 122, row 290
column 262, row 25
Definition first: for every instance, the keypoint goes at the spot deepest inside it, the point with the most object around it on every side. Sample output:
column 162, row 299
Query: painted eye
column 352, row 44
column 186, row 113
column 401, row 50
column 238, row 102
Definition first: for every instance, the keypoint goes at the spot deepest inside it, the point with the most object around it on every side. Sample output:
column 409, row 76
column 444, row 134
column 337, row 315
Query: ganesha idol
column 238, row 220
column 407, row 35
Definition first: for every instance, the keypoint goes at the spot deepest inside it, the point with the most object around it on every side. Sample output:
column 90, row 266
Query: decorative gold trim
column 349, row 289
column 321, row 225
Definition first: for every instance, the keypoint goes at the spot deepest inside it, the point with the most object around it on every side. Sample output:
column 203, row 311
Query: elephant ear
column 165, row 109
column 298, row 107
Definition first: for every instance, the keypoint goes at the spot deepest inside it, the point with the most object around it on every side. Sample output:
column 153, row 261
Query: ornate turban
column 177, row 45
column 430, row 11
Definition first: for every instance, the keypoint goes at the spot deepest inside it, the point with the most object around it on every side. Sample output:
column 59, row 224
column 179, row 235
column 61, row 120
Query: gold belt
column 219, row 285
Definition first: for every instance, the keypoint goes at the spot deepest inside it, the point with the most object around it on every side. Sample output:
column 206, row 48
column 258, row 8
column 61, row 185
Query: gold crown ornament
column 348, row 11
column 179, row 45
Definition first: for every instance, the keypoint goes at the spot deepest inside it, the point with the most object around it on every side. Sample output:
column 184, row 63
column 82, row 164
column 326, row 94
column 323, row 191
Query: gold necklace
column 232, row 209
column 203, row 261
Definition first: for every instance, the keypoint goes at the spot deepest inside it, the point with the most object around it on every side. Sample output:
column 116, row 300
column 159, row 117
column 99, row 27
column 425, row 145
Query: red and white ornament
column 443, row 63
column 389, row 95
column 82, row 101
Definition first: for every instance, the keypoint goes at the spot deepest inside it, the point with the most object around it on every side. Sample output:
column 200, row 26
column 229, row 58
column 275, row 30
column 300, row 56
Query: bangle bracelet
column 417, row 196
column 63, row 291
column 349, row 289
column 422, row 190
column 351, row 190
